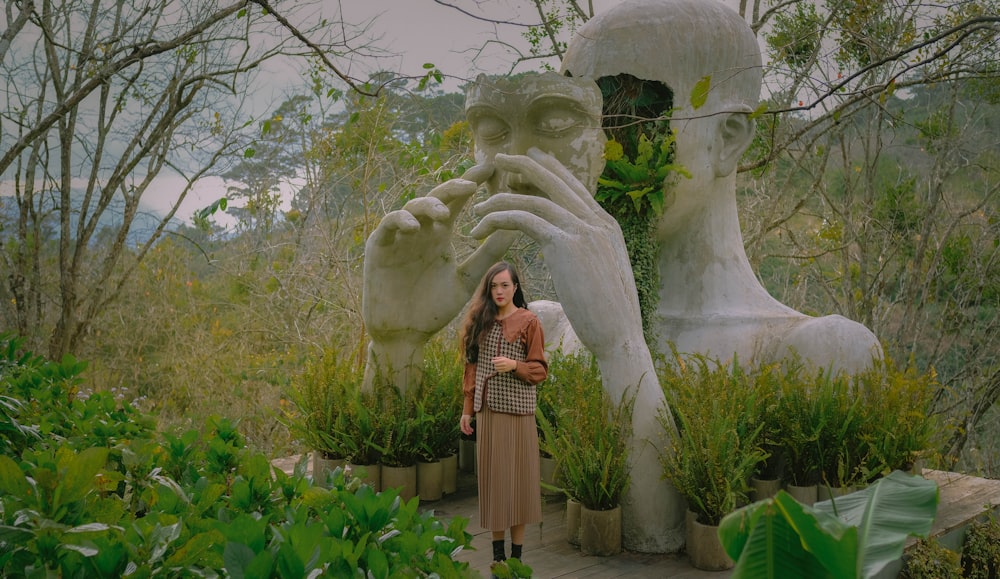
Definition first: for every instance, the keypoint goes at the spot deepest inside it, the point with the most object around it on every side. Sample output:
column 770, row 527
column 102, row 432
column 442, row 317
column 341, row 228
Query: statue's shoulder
column 832, row 342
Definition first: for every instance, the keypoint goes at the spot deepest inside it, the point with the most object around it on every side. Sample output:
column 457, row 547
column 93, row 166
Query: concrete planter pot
column 430, row 480
column 323, row 467
column 704, row 548
column 402, row 477
column 370, row 474
column 761, row 489
column 549, row 475
column 573, row 512
column 449, row 474
column 825, row 493
column 467, row 455
column 804, row 494
column 601, row 532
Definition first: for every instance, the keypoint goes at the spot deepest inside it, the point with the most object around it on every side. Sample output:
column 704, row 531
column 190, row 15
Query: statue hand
column 413, row 285
column 583, row 246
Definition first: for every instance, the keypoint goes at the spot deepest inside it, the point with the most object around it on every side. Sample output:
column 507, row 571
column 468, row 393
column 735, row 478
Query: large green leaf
column 778, row 538
column 886, row 513
column 12, row 480
column 80, row 475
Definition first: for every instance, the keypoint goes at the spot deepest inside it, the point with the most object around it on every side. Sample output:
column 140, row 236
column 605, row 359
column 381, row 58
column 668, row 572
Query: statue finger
column 479, row 173
column 454, row 193
column 394, row 222
column 558, row 169
column 427, row 209
column 544, row 180
column 531, row 225
column 543, row 208
column 490, row 251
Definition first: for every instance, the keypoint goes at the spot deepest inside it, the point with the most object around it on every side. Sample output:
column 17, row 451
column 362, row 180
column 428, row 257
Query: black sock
column 498, row 554
column 515, row 551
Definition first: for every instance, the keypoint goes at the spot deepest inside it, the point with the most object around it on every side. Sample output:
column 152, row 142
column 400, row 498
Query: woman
column 505, row 358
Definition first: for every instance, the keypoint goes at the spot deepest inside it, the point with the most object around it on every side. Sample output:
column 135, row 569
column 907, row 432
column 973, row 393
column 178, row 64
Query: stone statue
column 710, row 300
column 539, row 146
column 546, row 190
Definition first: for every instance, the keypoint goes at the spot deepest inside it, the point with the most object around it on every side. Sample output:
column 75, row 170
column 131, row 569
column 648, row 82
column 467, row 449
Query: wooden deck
column 546, row 550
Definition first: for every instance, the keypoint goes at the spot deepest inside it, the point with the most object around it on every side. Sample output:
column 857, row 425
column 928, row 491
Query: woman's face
column 502, row 289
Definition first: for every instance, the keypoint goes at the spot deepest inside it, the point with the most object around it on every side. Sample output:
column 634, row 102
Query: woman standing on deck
column 504, row 353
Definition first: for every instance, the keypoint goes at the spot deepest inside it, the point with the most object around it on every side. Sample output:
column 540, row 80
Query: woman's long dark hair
column 483, row 312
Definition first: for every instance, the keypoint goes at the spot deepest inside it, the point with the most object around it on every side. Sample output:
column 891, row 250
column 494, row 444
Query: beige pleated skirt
column 507, row 454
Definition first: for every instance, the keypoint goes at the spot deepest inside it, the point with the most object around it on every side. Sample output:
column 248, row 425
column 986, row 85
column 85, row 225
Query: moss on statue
column 639, row 158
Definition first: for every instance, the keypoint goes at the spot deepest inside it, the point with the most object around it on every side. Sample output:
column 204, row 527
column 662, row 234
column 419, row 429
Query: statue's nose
column 520, row 142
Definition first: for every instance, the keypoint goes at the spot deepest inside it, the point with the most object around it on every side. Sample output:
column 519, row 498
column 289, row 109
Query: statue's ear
column 733, row 136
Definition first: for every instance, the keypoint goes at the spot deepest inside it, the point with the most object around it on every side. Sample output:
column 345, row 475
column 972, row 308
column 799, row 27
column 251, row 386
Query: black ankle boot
column 515, row 551
column 498, row 554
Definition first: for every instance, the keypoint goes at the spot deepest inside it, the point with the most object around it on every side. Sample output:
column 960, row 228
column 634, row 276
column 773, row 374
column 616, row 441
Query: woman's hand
column 465, row 425
column 503, row 364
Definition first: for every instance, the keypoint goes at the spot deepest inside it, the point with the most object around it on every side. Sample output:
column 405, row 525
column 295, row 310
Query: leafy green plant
column 567, row 375
column 981, row 549
column 318, row 400
column 718, row 443
column 404, row 425
column 589, row 440
column 199, row 504
column 363, row 438
column 802, row 423
column 855, row 536
column 928, row 559
column 840, row 447
column 900, row 426
column 440, row 394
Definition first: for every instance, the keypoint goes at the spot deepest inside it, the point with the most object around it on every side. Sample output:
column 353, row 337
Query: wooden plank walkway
column 964, row 498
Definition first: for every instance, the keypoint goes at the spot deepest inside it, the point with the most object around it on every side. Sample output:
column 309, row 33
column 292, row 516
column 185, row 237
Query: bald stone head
column 676, row 42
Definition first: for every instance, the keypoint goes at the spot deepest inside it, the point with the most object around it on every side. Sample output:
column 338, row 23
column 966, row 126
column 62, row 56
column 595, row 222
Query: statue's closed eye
column 553, row 122
column 489, row 128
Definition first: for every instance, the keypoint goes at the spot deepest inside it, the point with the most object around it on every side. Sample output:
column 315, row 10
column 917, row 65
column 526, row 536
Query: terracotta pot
column 761, row 489
column 601, row 532
column 549, row 475
column 704, row 548
column 804, row 494
column 430, row 480
column 573, row 511
column 402, row 477
column 370, row 474
column 323, row 467
column 449, row 474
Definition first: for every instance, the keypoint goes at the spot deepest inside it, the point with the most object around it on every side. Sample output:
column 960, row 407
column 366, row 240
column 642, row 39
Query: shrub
column 928, row 559
column 718, row 443
column 981, row 549
column 589, row 438
column 195, row 504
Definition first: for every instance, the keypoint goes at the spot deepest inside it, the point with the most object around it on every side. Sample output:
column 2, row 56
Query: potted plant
column 841, row 446
column 403, row 442
column 362, row 436
column 762, row 409
column 440, row 394
column 589, row 441
column 715, row 451
column 316, row 414
column 566, row 372
column 898, row 419
column 801, row 426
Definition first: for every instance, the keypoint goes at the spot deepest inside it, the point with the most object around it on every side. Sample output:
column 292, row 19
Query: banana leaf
column 855, row 536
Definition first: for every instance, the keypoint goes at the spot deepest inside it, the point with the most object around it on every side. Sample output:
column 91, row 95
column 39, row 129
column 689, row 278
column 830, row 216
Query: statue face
column 558, row 115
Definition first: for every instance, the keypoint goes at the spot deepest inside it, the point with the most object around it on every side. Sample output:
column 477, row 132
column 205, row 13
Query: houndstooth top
column 518, row 337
